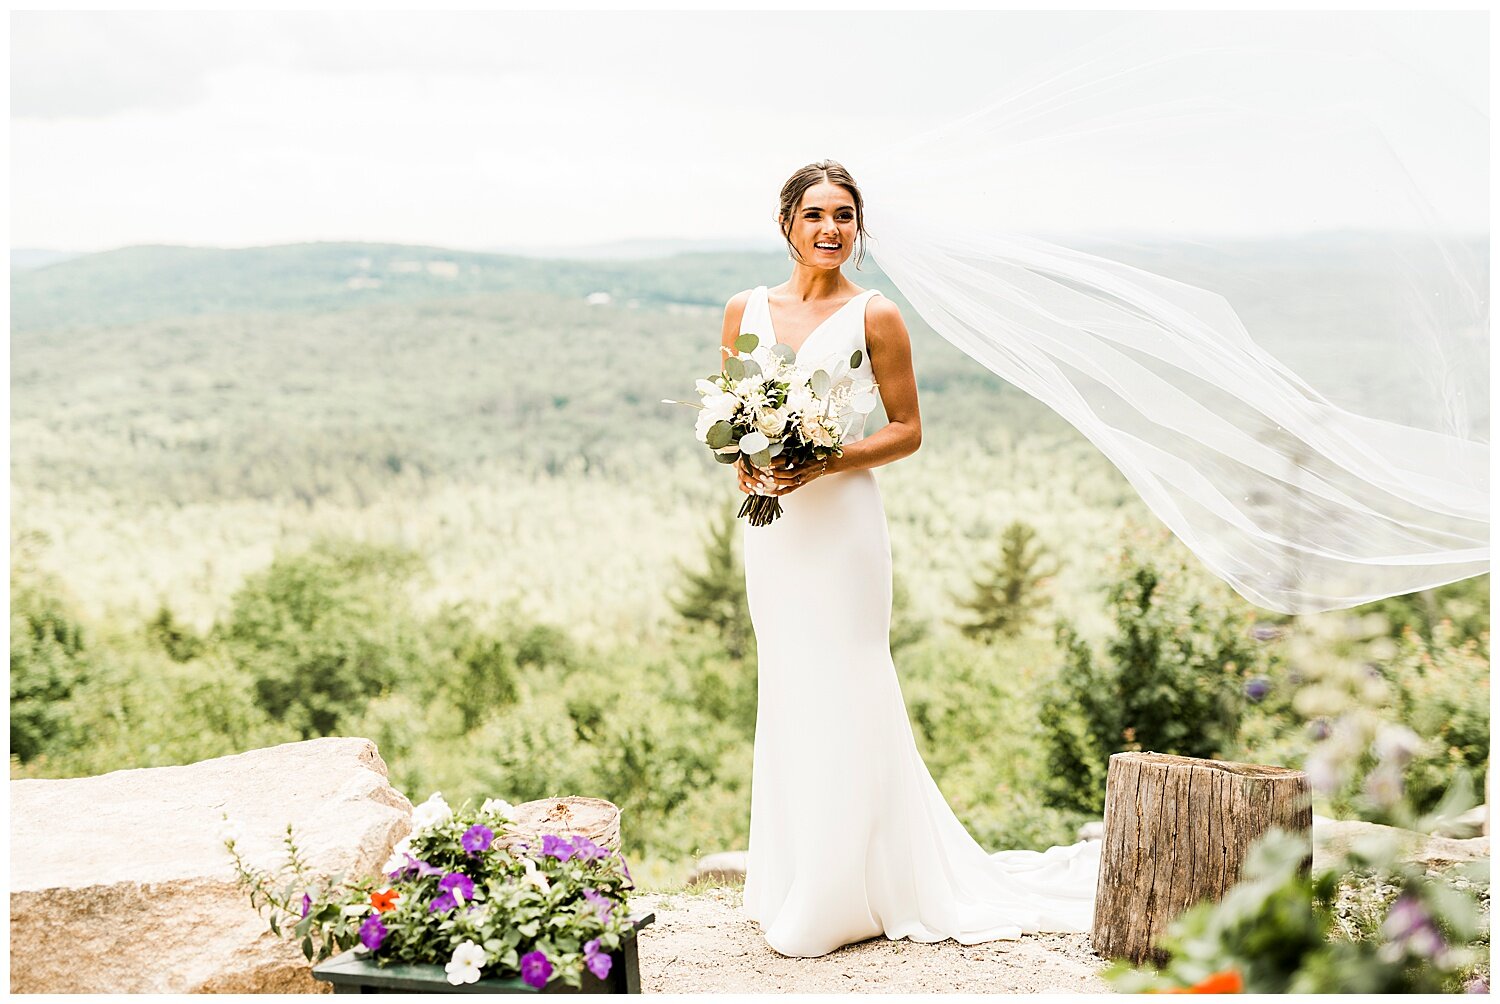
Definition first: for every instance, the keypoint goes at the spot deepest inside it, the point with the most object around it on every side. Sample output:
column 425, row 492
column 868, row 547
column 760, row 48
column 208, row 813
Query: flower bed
column 464, row 895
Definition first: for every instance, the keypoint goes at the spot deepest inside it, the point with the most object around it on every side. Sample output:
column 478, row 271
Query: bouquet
column 763, row 404
column 461, row 892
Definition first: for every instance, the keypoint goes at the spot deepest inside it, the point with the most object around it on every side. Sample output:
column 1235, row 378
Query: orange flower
column 383, row 901
column 1227, row 982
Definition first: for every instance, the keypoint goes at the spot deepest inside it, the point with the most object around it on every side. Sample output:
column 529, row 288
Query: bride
column 850, row 837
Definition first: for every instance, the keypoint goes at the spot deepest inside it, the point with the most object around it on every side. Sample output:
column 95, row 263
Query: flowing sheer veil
column 1353, row 177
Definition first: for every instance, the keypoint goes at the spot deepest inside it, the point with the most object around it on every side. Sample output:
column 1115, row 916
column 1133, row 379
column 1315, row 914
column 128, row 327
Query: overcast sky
column 478, row 129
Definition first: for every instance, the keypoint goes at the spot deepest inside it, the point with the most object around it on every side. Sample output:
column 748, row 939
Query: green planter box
column 351, row 974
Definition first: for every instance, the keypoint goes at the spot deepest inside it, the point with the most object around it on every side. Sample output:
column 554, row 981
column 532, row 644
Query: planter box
column 351, row 974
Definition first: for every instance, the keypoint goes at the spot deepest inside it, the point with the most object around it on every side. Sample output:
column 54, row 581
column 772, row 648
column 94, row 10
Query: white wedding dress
column 850, row 837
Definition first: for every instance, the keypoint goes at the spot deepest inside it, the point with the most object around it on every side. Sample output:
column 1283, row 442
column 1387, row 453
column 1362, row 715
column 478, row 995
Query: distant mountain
column 639, row 249
column 156, row 281
column 23, row 258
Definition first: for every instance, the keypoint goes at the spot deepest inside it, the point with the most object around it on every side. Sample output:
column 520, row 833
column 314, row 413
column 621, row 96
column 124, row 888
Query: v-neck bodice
column 829, row 346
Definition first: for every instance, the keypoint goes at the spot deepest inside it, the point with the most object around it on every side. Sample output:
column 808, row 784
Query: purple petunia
column 597, row 961
column 627, row 869
column 442, row 904
column 477, row 838
column 601, row 904
column 557, row 847
column 588, row 849
column 372, row 932
column 421, row 868
column 306, row 904
column 459, row 881
column 535, row 969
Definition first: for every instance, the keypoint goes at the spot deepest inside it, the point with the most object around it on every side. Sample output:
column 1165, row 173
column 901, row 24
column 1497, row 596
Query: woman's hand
column 789, row 477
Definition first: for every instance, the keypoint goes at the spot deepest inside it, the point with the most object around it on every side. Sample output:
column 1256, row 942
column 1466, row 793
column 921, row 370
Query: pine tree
column 1007, row 592
column 715, row 597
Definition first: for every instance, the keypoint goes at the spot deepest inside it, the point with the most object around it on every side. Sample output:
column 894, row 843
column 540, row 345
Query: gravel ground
column 700, row 944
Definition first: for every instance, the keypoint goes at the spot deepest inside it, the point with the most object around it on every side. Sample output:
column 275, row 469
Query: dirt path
column 700, row 944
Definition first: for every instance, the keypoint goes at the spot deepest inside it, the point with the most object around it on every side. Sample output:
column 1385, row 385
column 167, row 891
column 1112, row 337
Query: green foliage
column 1171, row 683
column 1008, row 591
column 322, row 632
column 1442, row 691
column 48, row 660
column 1464, row 604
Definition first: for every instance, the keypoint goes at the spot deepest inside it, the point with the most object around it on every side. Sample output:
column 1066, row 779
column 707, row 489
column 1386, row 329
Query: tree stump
column 567, row 816
column 1176, row 832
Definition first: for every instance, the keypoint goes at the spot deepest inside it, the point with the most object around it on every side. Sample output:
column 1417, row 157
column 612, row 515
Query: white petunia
column 433, row 812
column 464, row 966
column 535, row 876
column 498, row 807
column 356, row 909
column 398, row 854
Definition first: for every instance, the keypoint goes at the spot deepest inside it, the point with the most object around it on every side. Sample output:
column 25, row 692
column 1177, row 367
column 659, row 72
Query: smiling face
column 826, row 216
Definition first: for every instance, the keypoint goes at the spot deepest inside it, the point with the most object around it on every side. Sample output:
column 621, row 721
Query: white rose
column 770, row 421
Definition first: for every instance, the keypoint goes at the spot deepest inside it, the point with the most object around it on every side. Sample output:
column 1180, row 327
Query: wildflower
column 306, row 904
column 229, row 830
column 1318, row 729
column 1383, row 786
column 1396, row 744
column 1477, row 986
column 535, row 969
column 1410, row 928
column 383, row 901
column 1265, row 632
column 442, row 903
column 464, row 966
column 597, row 961
column 1256, row 688
column 372, row 932
column 1323, row 771
column 626, row 867
column 477, row 838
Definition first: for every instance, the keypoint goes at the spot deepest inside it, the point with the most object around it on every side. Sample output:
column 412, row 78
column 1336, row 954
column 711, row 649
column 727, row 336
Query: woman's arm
column 890, row 362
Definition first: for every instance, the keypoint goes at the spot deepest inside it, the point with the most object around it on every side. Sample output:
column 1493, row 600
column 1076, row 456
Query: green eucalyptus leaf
column 752, row 368
column 719, row 434
column 726, row 458
column 785, row 352
column 762, row 459
column 746, row 342
column 734, row 368
column 855, row 359
column 820, row 383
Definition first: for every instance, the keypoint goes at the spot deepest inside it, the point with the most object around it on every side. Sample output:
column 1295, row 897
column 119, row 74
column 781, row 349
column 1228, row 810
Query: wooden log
column 1177, row 831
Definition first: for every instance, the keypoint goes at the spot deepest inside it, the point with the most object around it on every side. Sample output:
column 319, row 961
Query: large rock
column 121, row 882
column 1332, row 837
